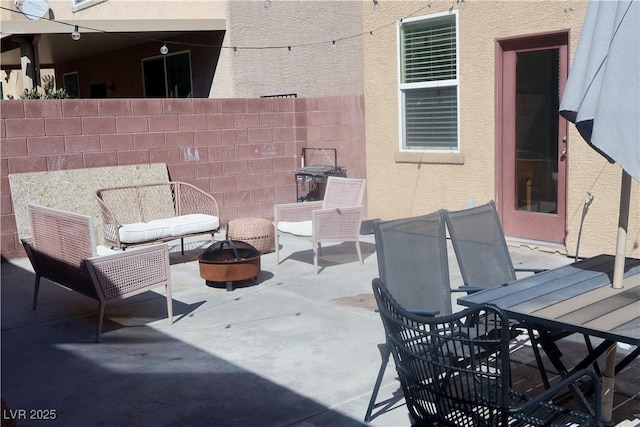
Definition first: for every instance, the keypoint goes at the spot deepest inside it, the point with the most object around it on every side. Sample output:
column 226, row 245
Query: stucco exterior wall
column 316, row 69
column 127, row 9
column 451, row 181
column 313, row 67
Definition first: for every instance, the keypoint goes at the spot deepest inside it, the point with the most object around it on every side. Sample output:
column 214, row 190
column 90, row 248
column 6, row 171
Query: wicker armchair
column 452, row 375
column 337, row 218
column 63, row 249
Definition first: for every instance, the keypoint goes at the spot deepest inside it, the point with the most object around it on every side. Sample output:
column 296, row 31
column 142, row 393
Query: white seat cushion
column 300, row 228
column 188, row 224
column 144, row 232
column 168, row 227
column 103, row 250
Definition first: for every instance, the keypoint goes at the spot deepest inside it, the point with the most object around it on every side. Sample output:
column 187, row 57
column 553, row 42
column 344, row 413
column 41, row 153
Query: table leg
column 608, row 384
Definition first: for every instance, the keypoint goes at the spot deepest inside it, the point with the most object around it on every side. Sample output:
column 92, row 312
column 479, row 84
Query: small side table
column 257, row 232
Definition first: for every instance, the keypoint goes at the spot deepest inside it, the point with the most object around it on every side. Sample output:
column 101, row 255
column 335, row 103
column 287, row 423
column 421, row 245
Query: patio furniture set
column 63, row 246
column 454, row 368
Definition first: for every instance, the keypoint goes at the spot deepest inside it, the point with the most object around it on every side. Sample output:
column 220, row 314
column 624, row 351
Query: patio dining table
column 576, row 298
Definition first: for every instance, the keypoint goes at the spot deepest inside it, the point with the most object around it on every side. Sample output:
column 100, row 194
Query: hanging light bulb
column 376, row 5
column 164, row 49
column 76, row 33
column 267, row 4
column 289, row 49
column 333, row 44
column 235, row 51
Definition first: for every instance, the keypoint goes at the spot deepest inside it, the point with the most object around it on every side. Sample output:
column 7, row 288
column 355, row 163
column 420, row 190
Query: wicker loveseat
column 159, row 212
column 63, row 248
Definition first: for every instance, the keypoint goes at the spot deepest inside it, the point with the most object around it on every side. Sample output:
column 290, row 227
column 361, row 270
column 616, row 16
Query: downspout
column 585, row 208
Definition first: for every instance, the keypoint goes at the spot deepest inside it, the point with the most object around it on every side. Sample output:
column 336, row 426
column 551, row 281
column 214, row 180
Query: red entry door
column 531, row 156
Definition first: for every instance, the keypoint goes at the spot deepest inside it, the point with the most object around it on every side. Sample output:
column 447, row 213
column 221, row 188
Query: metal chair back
column 455, row 370
column 413, row 263
column 480, row 246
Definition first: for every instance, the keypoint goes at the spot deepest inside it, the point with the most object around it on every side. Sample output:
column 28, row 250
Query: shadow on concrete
column 332, row 255
column 137, row 376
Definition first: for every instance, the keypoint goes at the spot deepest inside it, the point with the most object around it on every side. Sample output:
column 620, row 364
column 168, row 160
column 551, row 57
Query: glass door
column 531, row 145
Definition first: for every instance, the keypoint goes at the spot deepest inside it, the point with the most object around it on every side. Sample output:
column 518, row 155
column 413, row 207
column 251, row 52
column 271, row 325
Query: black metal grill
column 316, row 175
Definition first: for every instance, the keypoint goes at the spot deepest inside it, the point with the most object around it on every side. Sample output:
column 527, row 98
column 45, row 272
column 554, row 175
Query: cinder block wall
column 242, row 151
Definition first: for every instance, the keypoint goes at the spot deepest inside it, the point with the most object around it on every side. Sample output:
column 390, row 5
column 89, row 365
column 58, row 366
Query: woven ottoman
column 257, row 232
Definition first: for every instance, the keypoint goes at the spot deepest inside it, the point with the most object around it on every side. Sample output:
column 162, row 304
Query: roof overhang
column 55, row 44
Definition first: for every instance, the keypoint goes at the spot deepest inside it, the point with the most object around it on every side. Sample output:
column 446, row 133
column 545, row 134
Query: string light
column 76, row 33
column 164, row 49
column 376, row 5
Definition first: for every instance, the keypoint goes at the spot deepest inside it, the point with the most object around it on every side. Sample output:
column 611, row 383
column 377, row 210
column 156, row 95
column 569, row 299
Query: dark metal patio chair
column 452, row 375
column 413, row 263
column 484, row 260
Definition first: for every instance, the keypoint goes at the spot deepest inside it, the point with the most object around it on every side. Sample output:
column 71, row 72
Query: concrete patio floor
column 294, row 349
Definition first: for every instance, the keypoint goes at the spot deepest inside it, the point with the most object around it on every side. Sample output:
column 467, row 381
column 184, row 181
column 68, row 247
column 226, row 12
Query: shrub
column 48, row 85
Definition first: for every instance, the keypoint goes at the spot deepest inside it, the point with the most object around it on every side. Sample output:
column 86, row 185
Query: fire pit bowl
column 229, row 261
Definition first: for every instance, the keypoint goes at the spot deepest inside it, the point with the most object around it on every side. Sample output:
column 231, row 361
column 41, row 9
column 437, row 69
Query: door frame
column 553, row 39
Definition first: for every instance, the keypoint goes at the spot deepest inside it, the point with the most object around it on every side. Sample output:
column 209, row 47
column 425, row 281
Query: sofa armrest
column 127, row 273
column 192, row 200
column 337, row 223
column 110, row 223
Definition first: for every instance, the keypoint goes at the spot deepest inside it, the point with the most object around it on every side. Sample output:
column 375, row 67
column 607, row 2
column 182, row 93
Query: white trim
column 44, row 26
column 84, row 4
column 402, row 87
column 431, row 16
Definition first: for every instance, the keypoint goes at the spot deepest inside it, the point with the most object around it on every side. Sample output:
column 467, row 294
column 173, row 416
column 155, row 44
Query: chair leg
column 359, row 251
column 385, row 352
column 101, row 306
column 316, row 249
column 36, row 291
column 277, row 244
column 169, row 303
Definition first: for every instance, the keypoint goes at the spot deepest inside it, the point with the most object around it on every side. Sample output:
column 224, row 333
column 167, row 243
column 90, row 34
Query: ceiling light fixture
column 76, row 33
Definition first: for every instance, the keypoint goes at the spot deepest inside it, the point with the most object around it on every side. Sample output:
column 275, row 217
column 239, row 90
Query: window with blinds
column 429, row 83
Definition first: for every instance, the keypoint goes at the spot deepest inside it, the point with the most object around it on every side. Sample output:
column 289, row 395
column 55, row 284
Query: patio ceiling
column 56, row 45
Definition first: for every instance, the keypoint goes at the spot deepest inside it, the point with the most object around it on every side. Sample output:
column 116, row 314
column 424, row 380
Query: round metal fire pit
column 229, row 261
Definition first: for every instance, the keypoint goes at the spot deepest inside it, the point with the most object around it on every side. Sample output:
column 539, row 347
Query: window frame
column 164, row 58
column 404, row 87
column 67, row 80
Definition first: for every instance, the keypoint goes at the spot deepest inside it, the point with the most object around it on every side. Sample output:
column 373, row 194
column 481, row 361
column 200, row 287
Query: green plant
column 48, row 86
